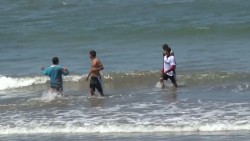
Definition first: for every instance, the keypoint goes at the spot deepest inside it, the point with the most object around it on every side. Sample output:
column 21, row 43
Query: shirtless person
column 96, row 80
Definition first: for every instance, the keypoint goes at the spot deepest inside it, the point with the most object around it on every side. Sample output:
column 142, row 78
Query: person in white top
column 169, row 65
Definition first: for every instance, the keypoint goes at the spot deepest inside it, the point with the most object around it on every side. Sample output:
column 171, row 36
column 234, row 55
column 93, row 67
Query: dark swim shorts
column 166, row 77
column 95, row 83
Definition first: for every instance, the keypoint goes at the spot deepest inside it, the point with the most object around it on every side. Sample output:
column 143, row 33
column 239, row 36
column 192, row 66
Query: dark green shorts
column 95, row 83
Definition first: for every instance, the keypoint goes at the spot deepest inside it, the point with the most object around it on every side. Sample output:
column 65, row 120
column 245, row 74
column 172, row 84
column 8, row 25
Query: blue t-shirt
column 55, row 73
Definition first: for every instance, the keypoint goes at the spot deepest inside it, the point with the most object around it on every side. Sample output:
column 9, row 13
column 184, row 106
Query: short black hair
column 92, row 53
column 55, row 60
column 166, row 48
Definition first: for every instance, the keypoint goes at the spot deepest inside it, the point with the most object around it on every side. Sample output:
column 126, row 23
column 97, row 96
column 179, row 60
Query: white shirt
column 168, row 62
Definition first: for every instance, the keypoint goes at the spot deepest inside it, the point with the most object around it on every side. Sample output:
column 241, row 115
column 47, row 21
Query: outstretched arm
column 44, row 71
column 65, row 71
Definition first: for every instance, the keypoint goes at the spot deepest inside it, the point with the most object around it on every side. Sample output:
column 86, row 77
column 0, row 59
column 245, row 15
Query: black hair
column 92, row 53
column 55, row 60
column 166, row 48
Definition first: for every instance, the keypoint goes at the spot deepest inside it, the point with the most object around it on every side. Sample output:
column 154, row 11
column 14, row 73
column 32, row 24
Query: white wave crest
column 74, row 78
column 18, row 82
column 124, row 129
column 10, row 82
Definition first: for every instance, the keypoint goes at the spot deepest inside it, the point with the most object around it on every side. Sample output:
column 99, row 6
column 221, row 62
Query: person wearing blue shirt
column 55, row 72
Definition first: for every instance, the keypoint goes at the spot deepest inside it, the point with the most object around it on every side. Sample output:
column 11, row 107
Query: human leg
column 173, row 80
column 92, row 86
column 99, row 86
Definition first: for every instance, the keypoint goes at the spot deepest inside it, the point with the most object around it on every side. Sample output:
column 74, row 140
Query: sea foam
column 18, row 82
column 213, row 127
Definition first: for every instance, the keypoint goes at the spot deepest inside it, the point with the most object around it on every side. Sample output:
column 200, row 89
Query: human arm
column 87, row 78
column 65, row 71
column 89, row 74
column 162, row 71
column 45, row 71
column 171, row 69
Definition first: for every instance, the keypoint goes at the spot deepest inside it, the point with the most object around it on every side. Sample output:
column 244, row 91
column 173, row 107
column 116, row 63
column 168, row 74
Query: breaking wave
column 128, row 78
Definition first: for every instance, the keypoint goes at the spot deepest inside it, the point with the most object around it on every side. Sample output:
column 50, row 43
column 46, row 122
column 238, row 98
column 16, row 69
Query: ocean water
column 211, row 43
